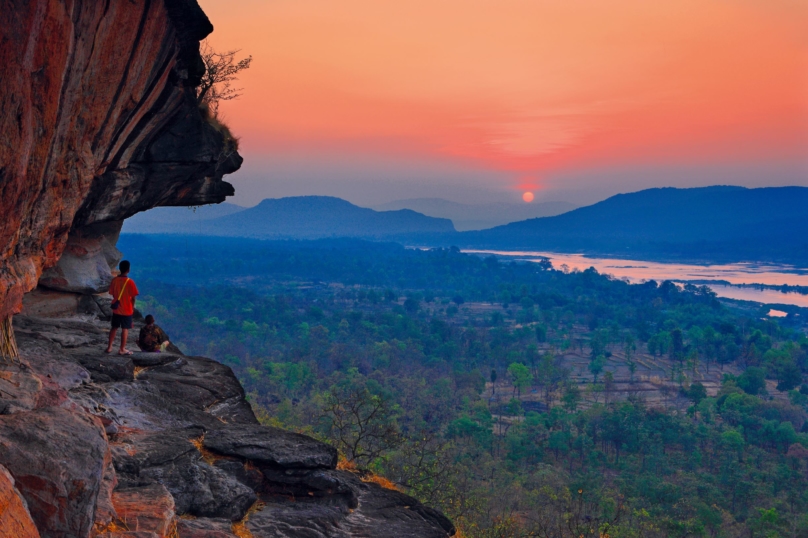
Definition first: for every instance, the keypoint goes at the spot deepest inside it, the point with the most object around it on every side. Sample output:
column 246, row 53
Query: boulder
column 244, row 472
column 291, row 519
column 386, row 512
column 170, row 459
column 106, row 367
column 19, row 388
column 15, row 520
column 205, row 528
column 145, row 509
column 271, row 447
column 57, row 458
column 202, row 490
column 210, row 385
column 336, row 486
column 68, row 375
column 142, row 406
column 337, row 504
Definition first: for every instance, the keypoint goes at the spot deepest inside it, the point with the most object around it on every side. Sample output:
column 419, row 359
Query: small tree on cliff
column 221, row 70
column 361, row 423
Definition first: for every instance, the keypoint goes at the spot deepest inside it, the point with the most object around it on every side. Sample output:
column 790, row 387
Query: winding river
column 638, row 271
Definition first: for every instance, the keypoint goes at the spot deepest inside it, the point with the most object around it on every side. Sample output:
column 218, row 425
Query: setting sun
column 527, row 197
column 569, row 90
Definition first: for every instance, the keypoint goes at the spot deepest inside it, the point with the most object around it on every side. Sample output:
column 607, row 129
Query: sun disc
column 527, row 197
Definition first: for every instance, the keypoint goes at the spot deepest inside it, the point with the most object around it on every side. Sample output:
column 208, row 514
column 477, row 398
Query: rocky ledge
column 154, row 445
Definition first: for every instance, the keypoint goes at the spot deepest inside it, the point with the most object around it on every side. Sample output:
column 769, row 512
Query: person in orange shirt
column 123, row 291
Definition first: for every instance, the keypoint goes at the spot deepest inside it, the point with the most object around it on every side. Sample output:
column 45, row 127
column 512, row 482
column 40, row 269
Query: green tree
column 520, row 376
column 753, row 380
column 571, row 397
column 696, row 392
column 411, row 305
column 677, row 345
column 514, row 407
column 596, row 365
column 541, row 333
column 733, row 442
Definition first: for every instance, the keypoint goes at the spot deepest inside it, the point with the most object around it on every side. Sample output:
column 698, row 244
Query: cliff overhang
column 99, row 121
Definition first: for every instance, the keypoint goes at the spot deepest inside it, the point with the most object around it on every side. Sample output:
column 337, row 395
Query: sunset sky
column 480, row 100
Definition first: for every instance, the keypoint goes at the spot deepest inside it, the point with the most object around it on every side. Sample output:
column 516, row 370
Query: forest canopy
column 519, row 399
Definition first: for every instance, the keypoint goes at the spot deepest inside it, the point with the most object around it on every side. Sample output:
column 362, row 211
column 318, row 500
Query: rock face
column 86, row 261
column 15, row 520
column 102, row 445
column 147, row 509
column 99, row 121
column 271, row 447
column 57, row 458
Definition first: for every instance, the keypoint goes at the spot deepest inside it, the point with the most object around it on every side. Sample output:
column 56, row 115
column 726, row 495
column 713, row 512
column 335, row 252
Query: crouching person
column 152, row 338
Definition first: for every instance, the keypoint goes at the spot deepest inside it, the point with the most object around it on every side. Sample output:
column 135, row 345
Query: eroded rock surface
column 271, row 447
column 169, row 458
column 97, row 442
column 15, row 519
column 57, row 458
column 87, row 260
column 145, row 509
column 99, row 121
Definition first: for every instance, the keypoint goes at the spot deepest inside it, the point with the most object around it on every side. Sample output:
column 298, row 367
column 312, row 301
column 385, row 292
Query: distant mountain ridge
column 478, row 216
column 303, row 217
column 168, row 219
column 707, row 224
column 720, row 222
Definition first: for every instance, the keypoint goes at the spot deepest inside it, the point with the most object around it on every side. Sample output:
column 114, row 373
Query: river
column 639, row 271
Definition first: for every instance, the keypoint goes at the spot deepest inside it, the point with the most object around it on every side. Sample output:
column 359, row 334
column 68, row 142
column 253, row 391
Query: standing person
column 123, row 291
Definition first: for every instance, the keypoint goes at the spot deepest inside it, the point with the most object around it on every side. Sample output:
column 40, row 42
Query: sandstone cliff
column 98, row 120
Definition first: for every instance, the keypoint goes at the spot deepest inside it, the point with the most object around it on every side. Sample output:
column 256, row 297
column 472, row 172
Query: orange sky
column 527, row 90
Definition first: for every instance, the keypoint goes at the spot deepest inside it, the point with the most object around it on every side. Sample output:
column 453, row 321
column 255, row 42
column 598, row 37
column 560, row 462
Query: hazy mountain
column 170, row 219
column 478, row 216
column 708, row 223
column 304, row 217
column 703, row 224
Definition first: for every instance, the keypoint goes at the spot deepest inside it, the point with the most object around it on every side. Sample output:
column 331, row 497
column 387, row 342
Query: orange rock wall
column 15, row 520
column 87, row 88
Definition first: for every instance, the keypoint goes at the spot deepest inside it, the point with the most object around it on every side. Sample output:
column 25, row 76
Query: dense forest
column 519, row 399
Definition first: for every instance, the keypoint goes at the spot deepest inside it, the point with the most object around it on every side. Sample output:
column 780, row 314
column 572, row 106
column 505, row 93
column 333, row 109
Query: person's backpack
column 117, row 302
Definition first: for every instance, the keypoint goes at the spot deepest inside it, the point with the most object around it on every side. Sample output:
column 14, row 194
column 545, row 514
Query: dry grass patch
column 111, row 527
column 239, row 528
column 207, row 456
column 344, row 464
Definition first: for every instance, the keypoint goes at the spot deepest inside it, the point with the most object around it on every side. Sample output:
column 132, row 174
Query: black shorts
column 121, row 322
